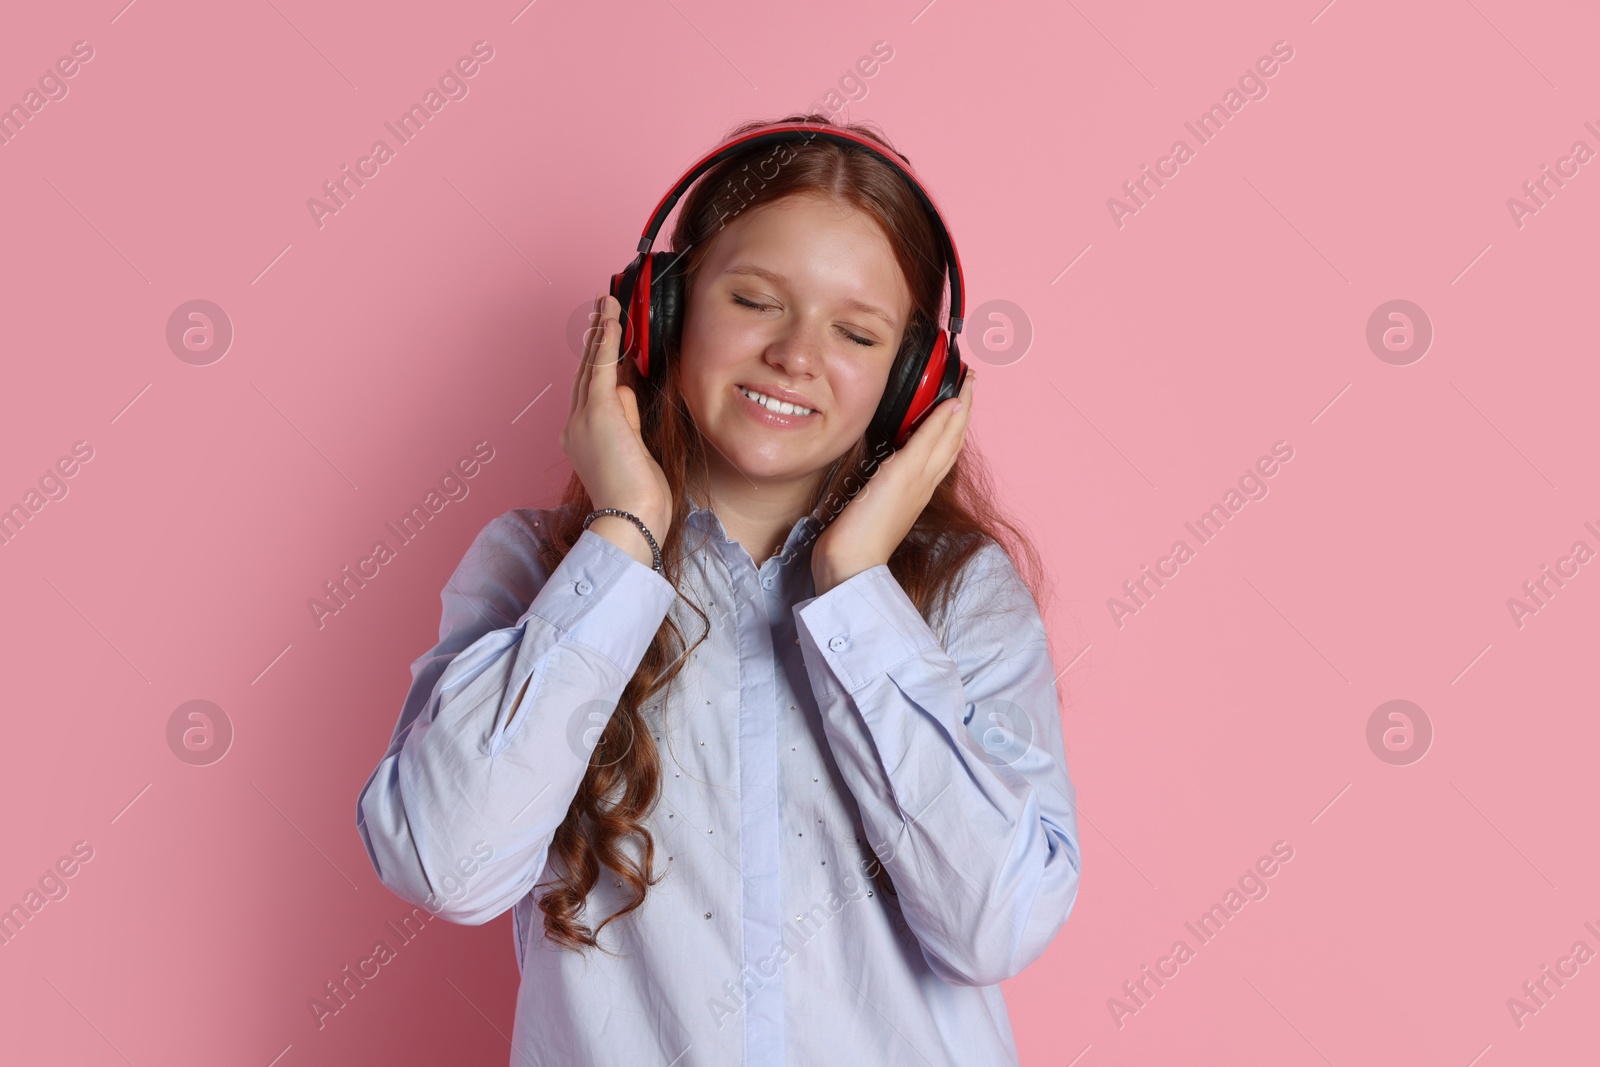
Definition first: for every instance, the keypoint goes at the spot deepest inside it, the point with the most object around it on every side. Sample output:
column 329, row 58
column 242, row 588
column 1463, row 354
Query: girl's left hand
column 877, row 519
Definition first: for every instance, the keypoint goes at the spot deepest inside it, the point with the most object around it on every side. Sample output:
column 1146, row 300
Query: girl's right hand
column 602, row 437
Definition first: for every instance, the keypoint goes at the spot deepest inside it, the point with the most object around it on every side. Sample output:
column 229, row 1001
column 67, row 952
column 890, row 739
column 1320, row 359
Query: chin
column 755, row 459
column 762, row 468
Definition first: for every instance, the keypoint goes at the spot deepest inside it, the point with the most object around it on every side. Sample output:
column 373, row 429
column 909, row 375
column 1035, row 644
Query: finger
column 590, row 348
column 594, row 351
column 579, row 371
column 969, row 389
column 605, row 368
column 952, row 435
column 940, row 429
column 962, row 413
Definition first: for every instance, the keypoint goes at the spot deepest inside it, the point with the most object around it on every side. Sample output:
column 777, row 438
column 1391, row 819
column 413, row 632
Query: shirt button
column 840, row 643
column 584, row 587
column 766, row 583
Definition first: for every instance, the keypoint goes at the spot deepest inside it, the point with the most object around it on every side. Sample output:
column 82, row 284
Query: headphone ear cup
column 955, row 372
column 666, row 308
column 946, row 375
column 901, row 389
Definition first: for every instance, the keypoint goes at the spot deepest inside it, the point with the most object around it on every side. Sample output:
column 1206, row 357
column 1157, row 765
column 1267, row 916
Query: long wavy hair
column 623, row 782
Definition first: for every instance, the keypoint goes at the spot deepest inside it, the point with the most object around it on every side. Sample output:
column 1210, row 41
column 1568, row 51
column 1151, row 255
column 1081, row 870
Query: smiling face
column 800, row 299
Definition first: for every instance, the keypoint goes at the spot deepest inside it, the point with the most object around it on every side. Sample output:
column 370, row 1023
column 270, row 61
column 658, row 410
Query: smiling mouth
column 776, row 406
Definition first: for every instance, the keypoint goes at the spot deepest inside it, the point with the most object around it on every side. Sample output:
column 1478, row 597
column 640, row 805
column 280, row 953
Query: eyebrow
column 778, row 279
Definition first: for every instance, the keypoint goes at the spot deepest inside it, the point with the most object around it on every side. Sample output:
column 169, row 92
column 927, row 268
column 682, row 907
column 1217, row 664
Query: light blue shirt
column 806, row 739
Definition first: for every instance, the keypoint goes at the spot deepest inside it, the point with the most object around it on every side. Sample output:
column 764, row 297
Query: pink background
column 1229, row 313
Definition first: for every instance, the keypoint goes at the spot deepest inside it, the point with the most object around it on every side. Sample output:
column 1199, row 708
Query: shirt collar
column 803, row 531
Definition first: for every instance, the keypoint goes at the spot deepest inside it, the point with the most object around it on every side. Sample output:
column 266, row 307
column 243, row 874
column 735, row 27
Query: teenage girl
column 755, row 732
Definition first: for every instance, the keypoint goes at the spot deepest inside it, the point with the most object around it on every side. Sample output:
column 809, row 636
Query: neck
column 757, row 514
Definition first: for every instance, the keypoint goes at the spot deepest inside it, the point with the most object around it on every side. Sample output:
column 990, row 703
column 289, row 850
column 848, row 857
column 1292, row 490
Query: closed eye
column 864, row 342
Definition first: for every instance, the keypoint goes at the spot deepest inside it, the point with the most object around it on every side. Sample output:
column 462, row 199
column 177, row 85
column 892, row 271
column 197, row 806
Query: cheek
column 709, row 349
column 857, row 389
column 712, row 337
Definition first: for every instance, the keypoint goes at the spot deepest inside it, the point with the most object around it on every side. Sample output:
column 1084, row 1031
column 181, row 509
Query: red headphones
column 928, row 369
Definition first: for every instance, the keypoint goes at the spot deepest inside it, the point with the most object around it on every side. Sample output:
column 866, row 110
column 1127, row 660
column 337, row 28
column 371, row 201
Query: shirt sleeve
column 459, row 814
column 955, row 757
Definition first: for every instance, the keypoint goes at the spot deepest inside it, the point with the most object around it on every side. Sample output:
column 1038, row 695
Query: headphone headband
column 779, row 132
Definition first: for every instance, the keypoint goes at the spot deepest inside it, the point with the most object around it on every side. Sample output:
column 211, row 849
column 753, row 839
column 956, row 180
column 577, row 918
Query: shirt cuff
column 601, row 597
column 860, row 628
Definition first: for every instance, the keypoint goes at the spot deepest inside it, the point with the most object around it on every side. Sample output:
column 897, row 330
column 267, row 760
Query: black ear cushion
column 902, row 385
column 666, row 307
column 955, row 373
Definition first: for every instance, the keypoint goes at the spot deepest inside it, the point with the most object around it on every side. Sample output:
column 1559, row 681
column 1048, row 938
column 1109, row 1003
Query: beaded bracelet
column 655, row 551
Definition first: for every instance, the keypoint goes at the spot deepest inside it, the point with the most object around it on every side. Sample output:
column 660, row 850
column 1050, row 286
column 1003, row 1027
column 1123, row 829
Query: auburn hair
column 623, row 781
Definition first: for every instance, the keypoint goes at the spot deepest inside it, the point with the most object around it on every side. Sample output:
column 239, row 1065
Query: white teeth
column 771, row 404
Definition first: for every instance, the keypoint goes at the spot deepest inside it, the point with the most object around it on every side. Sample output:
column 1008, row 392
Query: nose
column 797, row 351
